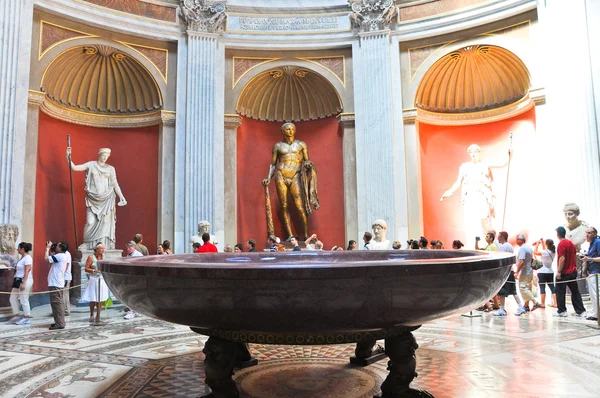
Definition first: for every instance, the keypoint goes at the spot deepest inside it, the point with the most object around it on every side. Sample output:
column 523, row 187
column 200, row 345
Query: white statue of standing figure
column 475, row 178
column 379, row 241
column 101, row 188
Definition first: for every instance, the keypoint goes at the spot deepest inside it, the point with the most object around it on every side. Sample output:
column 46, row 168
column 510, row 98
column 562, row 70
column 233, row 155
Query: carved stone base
column 366, row 353
column 402, row 365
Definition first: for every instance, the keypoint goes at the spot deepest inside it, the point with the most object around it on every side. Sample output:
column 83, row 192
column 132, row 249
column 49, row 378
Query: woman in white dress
column 22, row 286
column 96, row 291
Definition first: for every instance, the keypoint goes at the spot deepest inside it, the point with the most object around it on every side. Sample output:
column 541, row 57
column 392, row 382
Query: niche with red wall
column 134, row 156
column 444, row 149
column 255, row 141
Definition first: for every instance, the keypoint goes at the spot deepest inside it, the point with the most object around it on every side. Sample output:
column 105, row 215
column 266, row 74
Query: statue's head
column 379, row 228
column 571, row 211
column 103, row 154
column 288, row 129
column 203, row 226
column 474, row 152
column 8, row 238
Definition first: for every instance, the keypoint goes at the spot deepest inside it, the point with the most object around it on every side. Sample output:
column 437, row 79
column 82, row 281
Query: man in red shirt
column 566, row 275
column 207, row 247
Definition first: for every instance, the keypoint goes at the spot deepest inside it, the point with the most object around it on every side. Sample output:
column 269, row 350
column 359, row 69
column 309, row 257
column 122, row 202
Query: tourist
column 489, row 240
column 131, row 250
column 524, row 272
column 396, row 245
column 423, row 242
column 138, row 239
column 56, row 284
column 250, row 245
column 167, row 247
column 160, row 249
column 227, row 249
column 272, row 243
column 367, row 240
column 294, row 241
column 351, row 245
column 22, row 284
column 503, row 244
column 457, row 245
column 238, row 248
column 592, row 264
column 68, row 279
column 510, row 286
column 196, row 247
column 337, row 248
column 96, row 290
column 566, row 272
column 546, row 274
column 207, row 247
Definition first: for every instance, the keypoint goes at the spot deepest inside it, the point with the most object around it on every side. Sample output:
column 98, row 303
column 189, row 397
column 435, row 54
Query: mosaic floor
column 534, row 355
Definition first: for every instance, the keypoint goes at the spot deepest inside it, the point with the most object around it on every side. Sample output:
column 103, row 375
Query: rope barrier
column 557, row 282
column 47, row 291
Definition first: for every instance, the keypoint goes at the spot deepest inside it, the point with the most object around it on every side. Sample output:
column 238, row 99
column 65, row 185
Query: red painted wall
column 444, row 149
column 135, row 158
column 254, row 144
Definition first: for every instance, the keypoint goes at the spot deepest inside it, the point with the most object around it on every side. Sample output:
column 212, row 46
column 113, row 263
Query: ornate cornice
column 346, row 119
column 94, row 120
column 232, row 122
column 206, row 16
column 168, row 118
column 36, row 98
column 372, row 15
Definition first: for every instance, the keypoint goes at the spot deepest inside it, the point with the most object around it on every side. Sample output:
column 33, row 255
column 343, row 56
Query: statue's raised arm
column 102, row 188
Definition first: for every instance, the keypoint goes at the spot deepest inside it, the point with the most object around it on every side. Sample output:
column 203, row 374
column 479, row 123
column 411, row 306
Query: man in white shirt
column 56, row 283
column 68, row 279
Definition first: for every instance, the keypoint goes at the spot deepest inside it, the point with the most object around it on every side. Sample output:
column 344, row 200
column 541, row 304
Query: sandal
column 91, row 320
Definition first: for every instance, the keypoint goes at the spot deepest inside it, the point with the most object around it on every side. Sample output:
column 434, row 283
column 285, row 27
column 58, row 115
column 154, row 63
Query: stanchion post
column 597, row 300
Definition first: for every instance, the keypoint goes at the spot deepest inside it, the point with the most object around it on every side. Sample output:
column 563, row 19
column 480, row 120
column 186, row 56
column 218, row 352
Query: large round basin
column 303, row 296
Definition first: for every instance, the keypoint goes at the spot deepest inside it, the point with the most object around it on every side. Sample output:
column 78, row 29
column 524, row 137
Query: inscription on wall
column 302, row 24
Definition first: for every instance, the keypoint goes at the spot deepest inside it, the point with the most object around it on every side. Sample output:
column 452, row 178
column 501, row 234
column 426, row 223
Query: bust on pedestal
column 379, row 241
column 576, row 233
column 203, row 227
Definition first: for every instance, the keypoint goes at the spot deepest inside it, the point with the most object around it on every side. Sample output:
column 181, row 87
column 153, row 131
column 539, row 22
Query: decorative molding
column 232, row 122
column 243, row 65
column 93, row 120
column 51, row 35
column 168, row 117
column 409, row 115
column 436, row 9
column 418, row 55
column 36, row 98
column 470, row 118
column 346, row 119
column 159, row 57
column 507, row 29
column 538, row 95
column 371, row 16
column 336, row 64
column 204, row 15
column 155, row 10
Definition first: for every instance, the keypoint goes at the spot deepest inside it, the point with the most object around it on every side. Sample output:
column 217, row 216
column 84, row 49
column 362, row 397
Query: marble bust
column 575, row 231
column 203, row 227
column 101, row 188
column 379, row 241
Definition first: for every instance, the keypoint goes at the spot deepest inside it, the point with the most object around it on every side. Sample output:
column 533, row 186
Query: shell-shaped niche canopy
column 472, row 79
column 101, row 79
column 289, row 93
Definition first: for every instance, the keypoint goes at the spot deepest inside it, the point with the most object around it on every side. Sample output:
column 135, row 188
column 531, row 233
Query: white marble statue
column 475, row 178
column 379, row 241
column 101, row 188
column 575, row 231
column 203, row 227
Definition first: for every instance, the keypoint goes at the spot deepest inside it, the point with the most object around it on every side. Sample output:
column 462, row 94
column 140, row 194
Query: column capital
column 346, row 119
column 368, row 17
column 204, row 16
column 36, row 98
column 232, row 121
column 168, row 117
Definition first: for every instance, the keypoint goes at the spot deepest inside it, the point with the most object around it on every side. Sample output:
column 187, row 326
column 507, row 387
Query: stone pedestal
column 81, row 279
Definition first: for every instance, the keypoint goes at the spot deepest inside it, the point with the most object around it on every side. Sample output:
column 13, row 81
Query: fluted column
column 16, row 19
column 346, row 121
column 374, row 131
column 232, row 123
column 166, row 178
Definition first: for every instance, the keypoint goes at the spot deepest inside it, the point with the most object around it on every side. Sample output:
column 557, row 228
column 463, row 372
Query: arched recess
column 477, row 94
column 271, row 95
column 101, row 97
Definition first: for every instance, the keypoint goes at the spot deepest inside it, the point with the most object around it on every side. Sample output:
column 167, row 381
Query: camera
column 477, row 238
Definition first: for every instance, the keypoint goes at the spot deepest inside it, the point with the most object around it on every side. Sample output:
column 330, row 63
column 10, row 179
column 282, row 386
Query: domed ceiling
column 100, row 79
column 472, row 79
column 288, row 93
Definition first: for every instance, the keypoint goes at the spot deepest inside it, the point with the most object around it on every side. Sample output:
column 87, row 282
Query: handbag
column 17, row 283
column 536, row 264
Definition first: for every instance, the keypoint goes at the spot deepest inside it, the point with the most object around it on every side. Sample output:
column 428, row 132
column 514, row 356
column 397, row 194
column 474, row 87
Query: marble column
column 204, row 196
column 16, row 18
column 346, row 121
column 232, row 123
column 374, row 131
column 166, row 177
column 36, row 99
